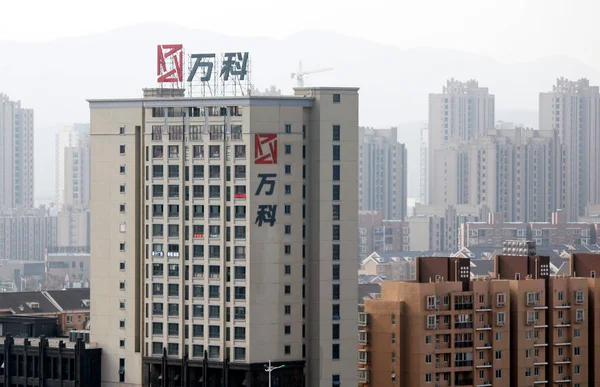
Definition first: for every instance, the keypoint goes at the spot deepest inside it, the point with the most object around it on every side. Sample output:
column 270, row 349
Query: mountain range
column 56, row 77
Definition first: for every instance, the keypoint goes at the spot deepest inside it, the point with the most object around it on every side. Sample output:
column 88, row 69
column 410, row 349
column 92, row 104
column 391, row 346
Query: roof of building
column 482, row 267
column 27, row 302
column 389, row 256
column 367, row 290
column 72, row 298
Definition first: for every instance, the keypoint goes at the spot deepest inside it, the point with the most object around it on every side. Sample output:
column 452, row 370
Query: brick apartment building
column 522, row 327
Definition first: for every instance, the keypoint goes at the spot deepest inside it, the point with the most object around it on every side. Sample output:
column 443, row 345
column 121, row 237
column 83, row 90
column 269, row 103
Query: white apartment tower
column 573, row 109
column 462, row 112
column 382, row 173
column 223, row 236
column 16, row 155
column 72, row 167
column 424, row 167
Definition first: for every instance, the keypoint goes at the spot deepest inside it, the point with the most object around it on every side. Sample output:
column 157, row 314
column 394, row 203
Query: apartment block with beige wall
column 225, row 228
column 442, row 329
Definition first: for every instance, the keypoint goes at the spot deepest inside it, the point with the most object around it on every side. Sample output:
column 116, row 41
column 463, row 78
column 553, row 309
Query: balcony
column 363, row 319
column 485, row 346
column 487, row 383
column 566, row 360
column 463, row 363
column 565, row 305
column 363, row 357
column 563, row 324
column 484, row 308
column 363, row 376
column 464, row 382
column 463, row 325
column 487, row 364
column 463, row 344
column 363, row 338
column 463, row 306
column 486, row 327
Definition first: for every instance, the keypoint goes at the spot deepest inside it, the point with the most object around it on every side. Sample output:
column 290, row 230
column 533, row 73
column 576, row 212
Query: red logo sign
column 265, row 149
column 172, row 54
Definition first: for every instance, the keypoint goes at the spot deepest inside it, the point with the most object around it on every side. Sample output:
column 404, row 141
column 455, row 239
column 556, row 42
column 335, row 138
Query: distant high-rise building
column 382, row 173
column 462, row 112
column 424, row 165
column 72, row 169
column 225, row 231
column 24, row 235
column 573, row 109
column 16, row 155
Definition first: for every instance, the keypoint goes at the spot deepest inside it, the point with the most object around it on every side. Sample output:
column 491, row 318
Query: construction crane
column 301, row 73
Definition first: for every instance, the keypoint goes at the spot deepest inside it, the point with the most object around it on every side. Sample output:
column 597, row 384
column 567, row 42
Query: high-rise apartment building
column 572, row 108
column 16, row 155
column 72, row 169
column 24, row 235
column 520, row 327
column 224, row 236
column 382, row 173
column 424, row 167
column 462, row 112
column 514, row 172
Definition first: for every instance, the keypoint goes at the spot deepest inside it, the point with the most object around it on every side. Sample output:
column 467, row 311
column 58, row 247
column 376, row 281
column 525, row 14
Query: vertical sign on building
column 265, row 153
column 169, row 63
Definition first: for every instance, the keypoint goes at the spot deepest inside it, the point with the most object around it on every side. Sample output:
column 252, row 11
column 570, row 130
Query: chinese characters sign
column 265, row 152
column 209, row 74
column 169, row 65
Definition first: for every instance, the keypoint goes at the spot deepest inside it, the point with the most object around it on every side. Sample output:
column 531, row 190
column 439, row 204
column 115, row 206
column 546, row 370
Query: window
column 498, row 374
column 214, row 311
column 288, row 229
column 239, row 292
column 122, row 285
column 173, row 329
column 288, row 289
column 335, row 272
column 287, row 209
column 122, row 246
column 239, row 272
column 579, row 317
column 239, row 353
column 288, row 169
column 335, row 352
column 287, row 349
column 335, row 233
column 173, row 151
column 122, row 149
column 157, row 151
column 198, row 151
column 288, row 189
column 336, row 291
column 122, row 343
column 335, row 253
column 336, row 153
column 157, row 328
column 198, row 311
column 214, row 151
column 288, row 149
column 197, row 330
column 173, row 349
column 337, row 98
column 213, row 291
column 336, row 212
column 428, row 378
column 157, row 348
column 240, row 151
column 577, row 332
column 288, row 128
column 336, row 173
column 500, row 318
column 335, row 311
column 501, row 299
column 122, row 188
column 287, row 309
column 121, row 304
column 336, row 133
column 579, row 297
column 198, row 291
column 121, row 324
column 173, row 310
column 239, row 313
column 336, row 192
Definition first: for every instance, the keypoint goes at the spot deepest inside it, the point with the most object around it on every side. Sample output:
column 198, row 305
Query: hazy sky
column 508, row 30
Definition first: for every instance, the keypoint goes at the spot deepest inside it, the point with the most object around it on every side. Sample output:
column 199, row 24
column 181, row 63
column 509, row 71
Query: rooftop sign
column 208, row 74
